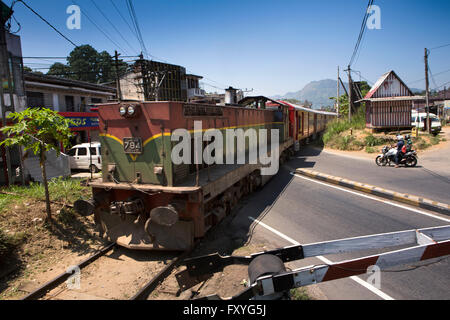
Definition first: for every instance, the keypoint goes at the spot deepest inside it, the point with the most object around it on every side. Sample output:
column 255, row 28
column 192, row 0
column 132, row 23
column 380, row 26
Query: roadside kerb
column 377, row 191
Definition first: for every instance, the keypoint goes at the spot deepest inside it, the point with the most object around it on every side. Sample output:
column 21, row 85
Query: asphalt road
column 430, row 179
column 308, row 212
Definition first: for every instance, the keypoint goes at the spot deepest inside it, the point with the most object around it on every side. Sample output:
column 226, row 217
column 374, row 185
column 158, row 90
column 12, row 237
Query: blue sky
column 272, row 46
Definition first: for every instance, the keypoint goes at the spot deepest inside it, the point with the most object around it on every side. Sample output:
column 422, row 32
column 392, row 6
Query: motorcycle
column 387, row 157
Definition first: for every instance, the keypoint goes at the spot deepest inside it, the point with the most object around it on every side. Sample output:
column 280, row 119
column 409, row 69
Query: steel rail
column 41, row 291
column 146, row 290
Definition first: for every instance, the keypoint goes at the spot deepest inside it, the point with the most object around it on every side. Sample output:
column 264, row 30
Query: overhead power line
column 445, row 45
column 361, row 32
column 432, row 77
column 436, row 74
column 135, row 21
column 361, row 76
column 443, row 85
column 123, row 18
column 98, row 28
column 51, row 26
column 115, row 28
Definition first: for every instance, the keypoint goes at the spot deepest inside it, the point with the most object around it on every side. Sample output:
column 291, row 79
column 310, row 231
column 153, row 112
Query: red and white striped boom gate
column 423, row 244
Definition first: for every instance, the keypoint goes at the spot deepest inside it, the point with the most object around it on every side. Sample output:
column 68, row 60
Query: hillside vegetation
column 342, row 134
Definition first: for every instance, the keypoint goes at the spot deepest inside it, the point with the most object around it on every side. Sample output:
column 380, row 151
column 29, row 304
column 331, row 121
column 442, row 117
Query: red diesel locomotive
column 145, row 201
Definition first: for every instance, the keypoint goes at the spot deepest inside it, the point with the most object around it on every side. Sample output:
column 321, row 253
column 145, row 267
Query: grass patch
column 371, row 150
column 372, row 141
column 338, row 126
column 421, row 144
column 299, row 294
column 60, row 189
column 434, row 140
column 66, row 216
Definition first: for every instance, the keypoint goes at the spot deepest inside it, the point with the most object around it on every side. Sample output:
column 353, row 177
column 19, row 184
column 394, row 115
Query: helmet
column 407, row 137
column 399, row 137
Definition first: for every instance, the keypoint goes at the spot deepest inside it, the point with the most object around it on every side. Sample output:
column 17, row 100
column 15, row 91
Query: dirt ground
column 47, row 249
column 116, row 276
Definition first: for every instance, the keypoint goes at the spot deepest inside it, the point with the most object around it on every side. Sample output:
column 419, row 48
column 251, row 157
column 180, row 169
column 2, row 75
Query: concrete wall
column 56, row 100
column 55, row 166
column 129, row 88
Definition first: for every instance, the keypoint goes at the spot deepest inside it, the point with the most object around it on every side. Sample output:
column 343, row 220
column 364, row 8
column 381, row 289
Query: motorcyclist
column 400, row 145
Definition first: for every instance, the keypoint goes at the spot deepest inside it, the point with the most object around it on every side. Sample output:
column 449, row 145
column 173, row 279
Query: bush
column 370, row 150
column 338, row 126
column 434, row 140
column 372, row 141
column 422, row 144
column 343, row 142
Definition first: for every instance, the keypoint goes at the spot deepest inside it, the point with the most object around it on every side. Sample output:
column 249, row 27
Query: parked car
column 418, row 121
column 86, row 156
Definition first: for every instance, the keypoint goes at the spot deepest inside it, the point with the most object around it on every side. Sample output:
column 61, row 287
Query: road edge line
column 409, row 199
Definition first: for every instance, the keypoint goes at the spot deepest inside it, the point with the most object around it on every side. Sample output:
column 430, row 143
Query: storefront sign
column 82, row 120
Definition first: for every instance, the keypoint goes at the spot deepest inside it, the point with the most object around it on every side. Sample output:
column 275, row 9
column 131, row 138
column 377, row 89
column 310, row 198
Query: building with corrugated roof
column 389, row 103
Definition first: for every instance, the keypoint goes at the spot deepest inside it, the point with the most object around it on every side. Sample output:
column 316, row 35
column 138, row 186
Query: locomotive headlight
column 123, row 111
column 131, row 110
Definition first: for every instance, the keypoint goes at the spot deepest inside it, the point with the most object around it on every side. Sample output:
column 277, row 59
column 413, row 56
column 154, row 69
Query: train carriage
column 308, row 122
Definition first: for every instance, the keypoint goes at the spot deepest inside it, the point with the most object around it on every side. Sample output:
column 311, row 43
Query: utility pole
column 4, row 65
column 338, row 92
column 116, row 63
column 427, row 88
column 350, row 94
column 144, row 74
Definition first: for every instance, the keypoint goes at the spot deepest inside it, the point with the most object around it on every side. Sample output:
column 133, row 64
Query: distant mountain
column 319, row 92
column 417, row 91
column 316, row 92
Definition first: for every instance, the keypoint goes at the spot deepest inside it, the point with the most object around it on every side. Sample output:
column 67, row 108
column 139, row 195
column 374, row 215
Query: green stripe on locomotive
column 157, row 152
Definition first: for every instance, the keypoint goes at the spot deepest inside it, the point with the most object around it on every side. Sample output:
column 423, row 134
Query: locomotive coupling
column 133, row 207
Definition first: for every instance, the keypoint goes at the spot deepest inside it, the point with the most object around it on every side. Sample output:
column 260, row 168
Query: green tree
column 59, row 69
column 38, row 130
column 364, row 87
column 84, row 64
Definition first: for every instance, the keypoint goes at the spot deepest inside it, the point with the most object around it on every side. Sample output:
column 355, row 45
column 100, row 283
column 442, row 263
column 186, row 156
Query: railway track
column 50, row 291
column 41, row 291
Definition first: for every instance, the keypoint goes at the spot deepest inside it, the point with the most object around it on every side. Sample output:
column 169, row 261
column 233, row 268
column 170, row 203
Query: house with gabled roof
column 389, row 103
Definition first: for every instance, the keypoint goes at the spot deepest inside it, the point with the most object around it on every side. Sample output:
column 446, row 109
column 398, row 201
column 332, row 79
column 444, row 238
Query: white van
column 418, row 121
column 86, row 156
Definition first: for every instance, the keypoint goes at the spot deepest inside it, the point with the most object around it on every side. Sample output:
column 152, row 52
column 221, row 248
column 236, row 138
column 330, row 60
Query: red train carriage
column 145, row 201
column 306, row 123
